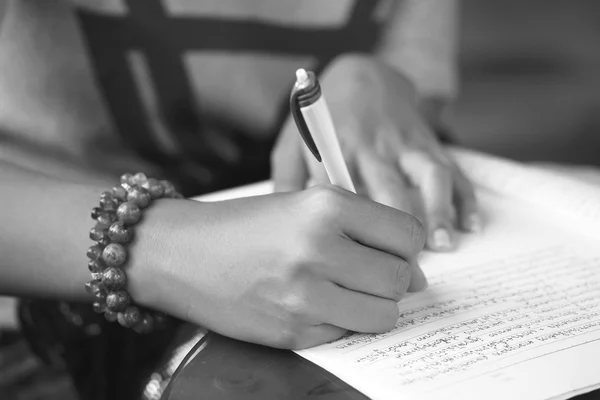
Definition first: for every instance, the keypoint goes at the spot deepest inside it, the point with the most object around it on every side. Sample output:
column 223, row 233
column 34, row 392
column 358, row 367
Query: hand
column 288, row 270
column 392, row 153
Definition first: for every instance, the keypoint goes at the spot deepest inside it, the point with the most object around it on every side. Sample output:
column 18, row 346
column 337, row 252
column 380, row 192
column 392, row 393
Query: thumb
column 288, row 168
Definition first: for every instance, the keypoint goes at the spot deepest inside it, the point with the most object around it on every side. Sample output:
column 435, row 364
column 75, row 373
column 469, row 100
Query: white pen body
column 319, row 122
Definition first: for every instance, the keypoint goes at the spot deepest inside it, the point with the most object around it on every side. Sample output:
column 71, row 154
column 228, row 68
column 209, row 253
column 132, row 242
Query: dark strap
column 109, row 39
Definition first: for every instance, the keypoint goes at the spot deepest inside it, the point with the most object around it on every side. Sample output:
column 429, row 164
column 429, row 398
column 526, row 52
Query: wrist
column 123, row 259
column 152, row 250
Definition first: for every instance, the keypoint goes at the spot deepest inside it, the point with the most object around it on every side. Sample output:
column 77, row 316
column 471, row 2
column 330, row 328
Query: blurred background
column 530, row 91
column 531, row 79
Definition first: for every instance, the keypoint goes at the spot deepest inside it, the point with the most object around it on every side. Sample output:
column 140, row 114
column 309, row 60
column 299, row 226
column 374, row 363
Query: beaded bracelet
column 119, row 210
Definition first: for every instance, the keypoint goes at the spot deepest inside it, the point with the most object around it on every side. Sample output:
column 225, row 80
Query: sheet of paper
column 254, row 189
column 521, row 290
column 570, row 199
column 514, row 314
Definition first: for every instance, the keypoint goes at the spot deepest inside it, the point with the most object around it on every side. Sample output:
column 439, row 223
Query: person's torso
column 196, row 87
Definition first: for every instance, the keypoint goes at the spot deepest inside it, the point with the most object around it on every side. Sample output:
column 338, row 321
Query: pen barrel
column 318, row 119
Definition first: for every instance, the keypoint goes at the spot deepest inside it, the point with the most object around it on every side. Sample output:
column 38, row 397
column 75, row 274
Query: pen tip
column 301, row 76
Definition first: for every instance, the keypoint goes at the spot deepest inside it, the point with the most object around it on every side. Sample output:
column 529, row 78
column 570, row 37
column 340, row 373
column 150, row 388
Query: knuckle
column 295, row 310
column 306, row 253
column 324, row 203
column 295, row 306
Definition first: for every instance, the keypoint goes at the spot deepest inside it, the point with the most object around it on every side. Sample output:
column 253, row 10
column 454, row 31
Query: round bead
column 126, row 178
column 98, row 234
column 168, row 188
column 117, row 301
column 97, row 276
column 139, row 178
column 108, row 202
column 114, row 255
column 177, row 195
column 95, row 252
column 139, row 196
column 130, row 317
column 145, row 325
column 106, row 195
column 153, row 187
column 120, row 233
column 129, row 213
column 96, row 211
column 105, row 219
column 95, row 266
column 110, row 316
column 114, row 278
column 105, row 241
column 127, row 188
column 110, row 205
column 99, row 307
column 101, row 296
column 93, row 286
column 119, row 193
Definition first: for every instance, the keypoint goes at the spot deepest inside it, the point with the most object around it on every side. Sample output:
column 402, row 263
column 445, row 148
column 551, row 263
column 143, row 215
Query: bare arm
column 44, row 234
column 421, row 42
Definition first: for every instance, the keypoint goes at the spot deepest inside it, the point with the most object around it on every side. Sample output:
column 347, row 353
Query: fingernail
column 418, row 282
column 441, row 239
column 473, row 223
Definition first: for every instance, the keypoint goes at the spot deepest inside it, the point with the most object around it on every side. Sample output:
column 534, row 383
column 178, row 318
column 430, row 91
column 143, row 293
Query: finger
column 287, row 162
column 435, row 182
column 380, row 227
column 384, row 182
column 436, row 187
column 316, row 335
column 363, row 269
column 418, row 280
column 469, row 218
column 355, row 311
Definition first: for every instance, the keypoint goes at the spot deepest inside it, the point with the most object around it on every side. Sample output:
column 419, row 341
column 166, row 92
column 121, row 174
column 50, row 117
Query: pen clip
column 298, row 96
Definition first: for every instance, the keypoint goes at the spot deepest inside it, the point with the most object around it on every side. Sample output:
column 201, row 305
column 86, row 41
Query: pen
column 311, row 114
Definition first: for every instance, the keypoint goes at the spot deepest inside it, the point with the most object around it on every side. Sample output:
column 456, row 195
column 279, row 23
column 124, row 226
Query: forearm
column 44, row 234
column 420, row 41
column 44, row 237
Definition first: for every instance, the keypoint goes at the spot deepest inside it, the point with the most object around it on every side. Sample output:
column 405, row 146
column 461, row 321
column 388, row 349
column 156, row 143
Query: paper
column 515, row 313
column 255, row 189
column 572, row 200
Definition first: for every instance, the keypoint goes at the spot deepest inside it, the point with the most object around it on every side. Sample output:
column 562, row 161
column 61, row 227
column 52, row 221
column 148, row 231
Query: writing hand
column 288, row 270
column 391, row 151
